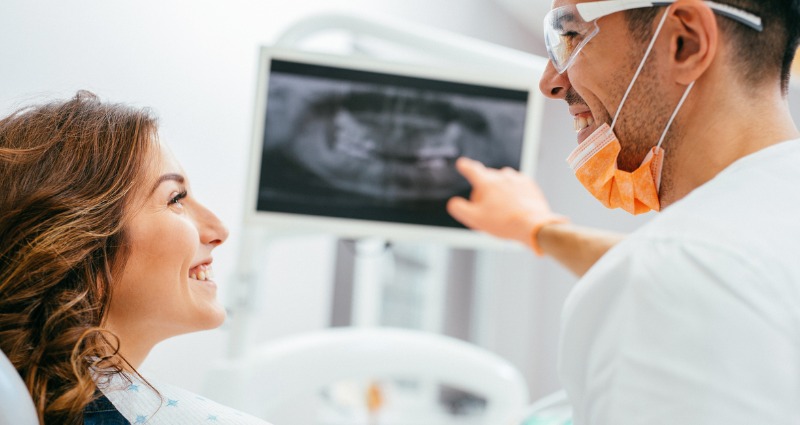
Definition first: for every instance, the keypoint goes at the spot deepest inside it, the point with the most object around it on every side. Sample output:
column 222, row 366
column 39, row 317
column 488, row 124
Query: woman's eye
column 176, row 200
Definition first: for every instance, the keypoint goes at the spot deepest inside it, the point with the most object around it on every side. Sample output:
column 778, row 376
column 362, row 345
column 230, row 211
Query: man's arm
column 576, row 248
column 509, row 205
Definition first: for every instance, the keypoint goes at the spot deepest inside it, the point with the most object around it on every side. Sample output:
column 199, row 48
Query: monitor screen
column 364, row 148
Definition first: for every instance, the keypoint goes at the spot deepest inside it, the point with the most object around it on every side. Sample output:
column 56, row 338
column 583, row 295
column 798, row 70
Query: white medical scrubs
column 695, row 318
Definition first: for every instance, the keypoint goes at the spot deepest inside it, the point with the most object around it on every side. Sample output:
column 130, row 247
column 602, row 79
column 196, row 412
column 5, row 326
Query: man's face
column 594, row 86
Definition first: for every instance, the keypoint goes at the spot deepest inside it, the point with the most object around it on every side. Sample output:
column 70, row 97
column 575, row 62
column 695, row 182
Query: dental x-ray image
column 364, row 145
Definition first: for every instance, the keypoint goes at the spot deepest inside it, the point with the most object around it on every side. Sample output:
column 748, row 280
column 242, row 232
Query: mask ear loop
column 675, row 113
column 641, row 66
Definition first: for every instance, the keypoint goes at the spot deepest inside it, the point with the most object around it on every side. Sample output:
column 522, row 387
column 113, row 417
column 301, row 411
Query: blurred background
column 195, row 63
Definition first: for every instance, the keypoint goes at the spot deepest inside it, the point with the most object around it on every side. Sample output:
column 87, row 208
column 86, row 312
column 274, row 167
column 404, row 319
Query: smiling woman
column 160, row 292
column 104, row 252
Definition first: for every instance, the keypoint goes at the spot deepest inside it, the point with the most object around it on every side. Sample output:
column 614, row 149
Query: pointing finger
column 471, row 170
column 461, row 210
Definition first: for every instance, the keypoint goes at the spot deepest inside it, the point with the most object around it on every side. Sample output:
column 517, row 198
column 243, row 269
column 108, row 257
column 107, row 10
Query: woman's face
column 167, row 286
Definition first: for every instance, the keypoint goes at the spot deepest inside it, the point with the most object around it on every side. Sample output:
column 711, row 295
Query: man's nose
column 552, row 84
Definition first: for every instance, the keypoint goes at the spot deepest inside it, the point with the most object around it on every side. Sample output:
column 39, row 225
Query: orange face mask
column 595, row 166
column 594, row 161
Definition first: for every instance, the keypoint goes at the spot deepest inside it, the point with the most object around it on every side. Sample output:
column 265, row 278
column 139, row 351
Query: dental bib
column 139, row 403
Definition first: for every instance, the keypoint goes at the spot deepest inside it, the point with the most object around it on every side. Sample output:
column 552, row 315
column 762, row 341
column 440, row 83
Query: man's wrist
column 533, row 240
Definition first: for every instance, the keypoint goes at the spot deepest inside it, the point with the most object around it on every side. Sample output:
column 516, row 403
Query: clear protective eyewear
column 567, row 29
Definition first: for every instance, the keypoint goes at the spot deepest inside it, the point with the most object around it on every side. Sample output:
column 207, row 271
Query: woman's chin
column 216, row 316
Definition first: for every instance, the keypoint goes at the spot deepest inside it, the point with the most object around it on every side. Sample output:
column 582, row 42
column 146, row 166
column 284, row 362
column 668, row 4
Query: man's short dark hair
column 762, row 55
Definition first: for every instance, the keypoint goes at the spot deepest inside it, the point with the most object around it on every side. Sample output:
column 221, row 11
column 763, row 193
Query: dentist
column 681, row 108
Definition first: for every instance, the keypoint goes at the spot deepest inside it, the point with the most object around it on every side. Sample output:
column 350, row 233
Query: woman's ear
column 693, row 40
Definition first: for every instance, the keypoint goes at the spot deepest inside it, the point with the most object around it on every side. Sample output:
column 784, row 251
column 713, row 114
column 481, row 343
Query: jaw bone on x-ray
column 378, row 150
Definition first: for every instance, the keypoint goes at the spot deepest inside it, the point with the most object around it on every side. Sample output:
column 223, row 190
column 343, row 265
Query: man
column 695, row 317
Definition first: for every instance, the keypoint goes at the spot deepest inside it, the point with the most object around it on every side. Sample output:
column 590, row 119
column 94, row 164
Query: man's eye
column 571, row 38
column 571, row 35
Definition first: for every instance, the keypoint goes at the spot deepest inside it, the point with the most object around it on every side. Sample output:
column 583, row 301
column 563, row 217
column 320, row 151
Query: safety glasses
column 568, row 28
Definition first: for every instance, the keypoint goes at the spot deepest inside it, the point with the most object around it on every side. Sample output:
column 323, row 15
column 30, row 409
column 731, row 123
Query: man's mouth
column 583, row 121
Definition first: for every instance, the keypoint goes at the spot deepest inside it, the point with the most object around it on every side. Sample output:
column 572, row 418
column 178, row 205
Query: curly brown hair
column 68, row 171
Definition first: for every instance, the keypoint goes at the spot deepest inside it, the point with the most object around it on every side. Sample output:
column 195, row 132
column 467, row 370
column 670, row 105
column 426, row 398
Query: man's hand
column 503, row 203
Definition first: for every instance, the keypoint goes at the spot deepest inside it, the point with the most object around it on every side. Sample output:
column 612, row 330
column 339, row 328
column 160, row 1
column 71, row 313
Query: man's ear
column 694, row 39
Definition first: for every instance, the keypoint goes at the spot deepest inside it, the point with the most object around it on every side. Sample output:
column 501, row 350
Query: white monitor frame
column 293, row 224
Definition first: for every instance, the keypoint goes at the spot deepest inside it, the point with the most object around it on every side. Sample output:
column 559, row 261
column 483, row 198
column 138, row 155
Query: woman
column 104, row 252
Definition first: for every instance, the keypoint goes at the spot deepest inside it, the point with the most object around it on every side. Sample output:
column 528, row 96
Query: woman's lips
column 201, row 272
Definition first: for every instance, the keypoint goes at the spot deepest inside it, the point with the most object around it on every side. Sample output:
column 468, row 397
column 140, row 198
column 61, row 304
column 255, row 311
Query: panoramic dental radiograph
column 378, row 151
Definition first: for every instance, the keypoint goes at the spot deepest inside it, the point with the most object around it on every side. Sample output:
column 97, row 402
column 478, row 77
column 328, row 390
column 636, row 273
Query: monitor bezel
column 279, row 223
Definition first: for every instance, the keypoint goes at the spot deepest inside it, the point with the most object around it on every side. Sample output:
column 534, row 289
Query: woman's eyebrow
column 168, row 177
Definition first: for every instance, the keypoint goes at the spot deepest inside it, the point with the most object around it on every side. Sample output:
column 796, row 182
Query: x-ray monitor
column 358, row 147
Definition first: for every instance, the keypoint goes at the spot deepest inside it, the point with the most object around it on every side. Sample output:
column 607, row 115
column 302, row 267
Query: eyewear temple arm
column 594, row 10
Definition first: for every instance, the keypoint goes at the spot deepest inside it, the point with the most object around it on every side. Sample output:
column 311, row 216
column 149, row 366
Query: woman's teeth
column 203, row 272
column 583, row 122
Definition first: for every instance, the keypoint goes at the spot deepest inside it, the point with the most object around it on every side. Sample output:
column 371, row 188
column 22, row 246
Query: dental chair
column 272, row 374
column 16, row 406
column 553, row 409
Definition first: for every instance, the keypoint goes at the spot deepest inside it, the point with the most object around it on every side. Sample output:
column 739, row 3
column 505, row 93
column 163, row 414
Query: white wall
column 194, row 63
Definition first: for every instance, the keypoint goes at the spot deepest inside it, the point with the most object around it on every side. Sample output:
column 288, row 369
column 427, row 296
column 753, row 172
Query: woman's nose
column 212, row 230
